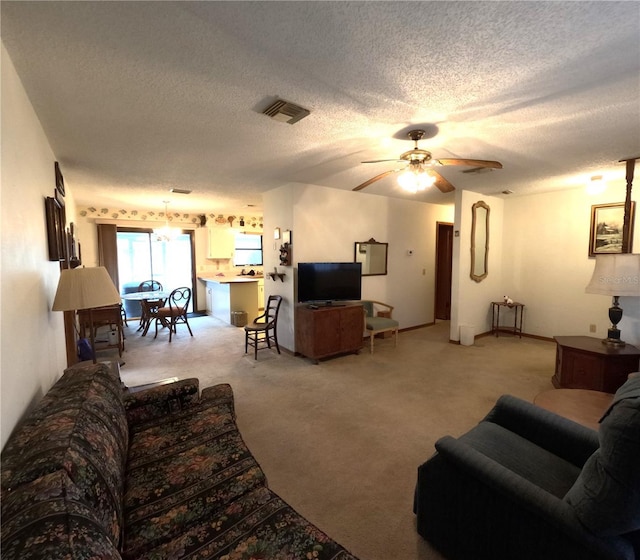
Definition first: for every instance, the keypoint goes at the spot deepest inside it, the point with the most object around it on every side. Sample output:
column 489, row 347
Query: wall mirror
column 479, row 241
column 373, row 256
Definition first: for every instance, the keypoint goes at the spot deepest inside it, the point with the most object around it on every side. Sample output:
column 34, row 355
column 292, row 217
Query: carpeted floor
column 341, row 440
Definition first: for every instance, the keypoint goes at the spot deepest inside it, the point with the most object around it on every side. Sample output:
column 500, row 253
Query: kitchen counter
column 229, row 294
column 231, row 279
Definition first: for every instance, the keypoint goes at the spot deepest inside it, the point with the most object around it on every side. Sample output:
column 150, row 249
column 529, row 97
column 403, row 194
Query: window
column 248, row 250
column 141, row 257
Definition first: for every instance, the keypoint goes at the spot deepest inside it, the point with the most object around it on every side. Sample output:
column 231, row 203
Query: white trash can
column 467, row 335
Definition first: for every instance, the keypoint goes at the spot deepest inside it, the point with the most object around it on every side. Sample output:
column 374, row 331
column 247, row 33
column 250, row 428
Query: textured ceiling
column 139, row 97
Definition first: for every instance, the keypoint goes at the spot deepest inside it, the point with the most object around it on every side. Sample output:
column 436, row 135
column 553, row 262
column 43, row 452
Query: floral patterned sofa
column 97, row 472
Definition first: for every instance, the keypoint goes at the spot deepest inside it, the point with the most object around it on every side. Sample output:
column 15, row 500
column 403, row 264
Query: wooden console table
column 329, row 330
column 583, row 362
column 495, row 317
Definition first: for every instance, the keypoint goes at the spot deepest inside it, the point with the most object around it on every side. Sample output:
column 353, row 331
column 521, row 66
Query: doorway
column 141, row 257
column 444, row 263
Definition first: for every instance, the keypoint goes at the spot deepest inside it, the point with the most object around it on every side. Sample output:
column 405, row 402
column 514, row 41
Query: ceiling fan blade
column 374, row 179
column 381, row 160
column 470, row 162
column 444, row 185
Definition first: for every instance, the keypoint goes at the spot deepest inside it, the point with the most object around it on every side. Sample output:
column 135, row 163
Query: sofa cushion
column 79, row 426
column 157, row 402
column 183, row 469
column 606, row 496
column 258, row 524
column 534, row 463
column 49, row 519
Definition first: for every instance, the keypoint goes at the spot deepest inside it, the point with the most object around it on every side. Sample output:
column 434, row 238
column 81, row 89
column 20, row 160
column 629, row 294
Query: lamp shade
column 616, row 275
column 85, row 288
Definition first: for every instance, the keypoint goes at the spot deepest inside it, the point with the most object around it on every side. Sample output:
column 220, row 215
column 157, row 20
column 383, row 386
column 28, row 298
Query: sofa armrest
column 157, row 402
column 524, row 495
column 562, row 437
column 219, row 394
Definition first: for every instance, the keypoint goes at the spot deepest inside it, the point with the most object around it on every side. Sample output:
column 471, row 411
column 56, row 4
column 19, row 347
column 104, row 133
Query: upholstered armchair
column 377, row 319
column 527, row 484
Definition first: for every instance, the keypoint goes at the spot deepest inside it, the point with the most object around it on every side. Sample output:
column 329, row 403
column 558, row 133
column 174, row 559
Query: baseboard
column 525, row 335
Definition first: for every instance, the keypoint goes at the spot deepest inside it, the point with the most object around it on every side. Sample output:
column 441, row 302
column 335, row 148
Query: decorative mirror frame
column 358, row 250
column 474, row 226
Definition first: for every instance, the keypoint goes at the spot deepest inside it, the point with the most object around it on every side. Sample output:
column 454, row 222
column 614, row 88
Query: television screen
column 327, row 282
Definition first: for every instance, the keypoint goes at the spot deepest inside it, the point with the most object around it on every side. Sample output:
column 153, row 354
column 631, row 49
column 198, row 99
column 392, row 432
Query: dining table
column 159, row 296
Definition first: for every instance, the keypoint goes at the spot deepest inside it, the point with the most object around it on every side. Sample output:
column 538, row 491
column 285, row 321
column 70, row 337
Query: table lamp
column 85, row 288
column 615, row 275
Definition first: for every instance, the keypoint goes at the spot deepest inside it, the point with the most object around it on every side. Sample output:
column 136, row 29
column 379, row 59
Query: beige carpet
column 341, row 441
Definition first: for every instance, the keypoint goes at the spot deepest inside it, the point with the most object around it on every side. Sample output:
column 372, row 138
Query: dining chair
column 175, row 313
column 263, row 330
column 147, row 306
column 377, row 320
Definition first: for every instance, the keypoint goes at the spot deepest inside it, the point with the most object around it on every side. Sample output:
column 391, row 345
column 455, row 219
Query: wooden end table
column 495, row 317
column 583, row 362
column 583, row 406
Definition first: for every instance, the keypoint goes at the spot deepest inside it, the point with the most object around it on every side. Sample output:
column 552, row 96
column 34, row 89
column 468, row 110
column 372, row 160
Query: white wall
column 546, row 264
column 471, row 300
column 32, row 347
column 278, row 213
column 325, row 225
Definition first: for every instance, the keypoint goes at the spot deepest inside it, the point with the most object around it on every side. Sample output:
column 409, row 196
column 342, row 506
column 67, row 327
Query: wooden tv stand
column 329, row 330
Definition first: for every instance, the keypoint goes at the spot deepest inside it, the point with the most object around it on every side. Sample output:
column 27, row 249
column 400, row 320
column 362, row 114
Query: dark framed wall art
column 56, row 236
column 59, row 180
column 607, row 221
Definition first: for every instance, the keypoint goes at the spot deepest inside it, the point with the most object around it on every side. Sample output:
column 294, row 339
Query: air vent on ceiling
column 284, row 111
column 180, row 191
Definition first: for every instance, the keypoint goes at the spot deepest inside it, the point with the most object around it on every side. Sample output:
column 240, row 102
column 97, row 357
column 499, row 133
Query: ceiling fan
column 420, row 173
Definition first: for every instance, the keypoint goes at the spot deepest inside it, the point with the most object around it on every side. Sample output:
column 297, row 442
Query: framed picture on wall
column 59, row 179
column 607, row 222
column 56, row 234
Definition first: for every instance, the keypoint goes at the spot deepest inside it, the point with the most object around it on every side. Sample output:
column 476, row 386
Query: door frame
column 441, row 228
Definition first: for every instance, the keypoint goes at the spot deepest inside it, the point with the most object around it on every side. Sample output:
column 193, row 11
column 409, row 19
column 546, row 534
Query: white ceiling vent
column 284, row 111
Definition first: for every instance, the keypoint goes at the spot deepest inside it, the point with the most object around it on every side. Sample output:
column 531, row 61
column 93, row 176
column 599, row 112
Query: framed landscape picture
column 607, row 222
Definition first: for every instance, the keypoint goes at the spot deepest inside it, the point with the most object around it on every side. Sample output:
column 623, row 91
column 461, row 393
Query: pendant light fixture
column 166, row 233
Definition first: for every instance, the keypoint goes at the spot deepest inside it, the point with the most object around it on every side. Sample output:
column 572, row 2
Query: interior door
column 444, row 262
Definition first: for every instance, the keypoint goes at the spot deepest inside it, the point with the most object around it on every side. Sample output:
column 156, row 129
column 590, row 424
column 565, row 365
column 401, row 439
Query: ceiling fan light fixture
column 415, row 180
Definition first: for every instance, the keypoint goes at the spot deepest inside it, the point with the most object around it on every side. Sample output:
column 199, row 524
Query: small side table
column 495, row 317
column 583, row 362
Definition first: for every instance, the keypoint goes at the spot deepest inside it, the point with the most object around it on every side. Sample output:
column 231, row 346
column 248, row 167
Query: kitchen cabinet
column 261, row 294
column 221, row 243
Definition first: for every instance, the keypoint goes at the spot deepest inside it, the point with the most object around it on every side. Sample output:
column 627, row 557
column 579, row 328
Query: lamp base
column 617, row 343
column 614, row 338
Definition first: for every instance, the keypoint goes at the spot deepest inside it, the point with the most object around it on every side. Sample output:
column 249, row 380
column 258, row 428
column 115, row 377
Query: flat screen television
column 327, row 282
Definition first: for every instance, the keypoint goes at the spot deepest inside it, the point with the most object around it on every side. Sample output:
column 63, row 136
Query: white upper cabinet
column 221, row 243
